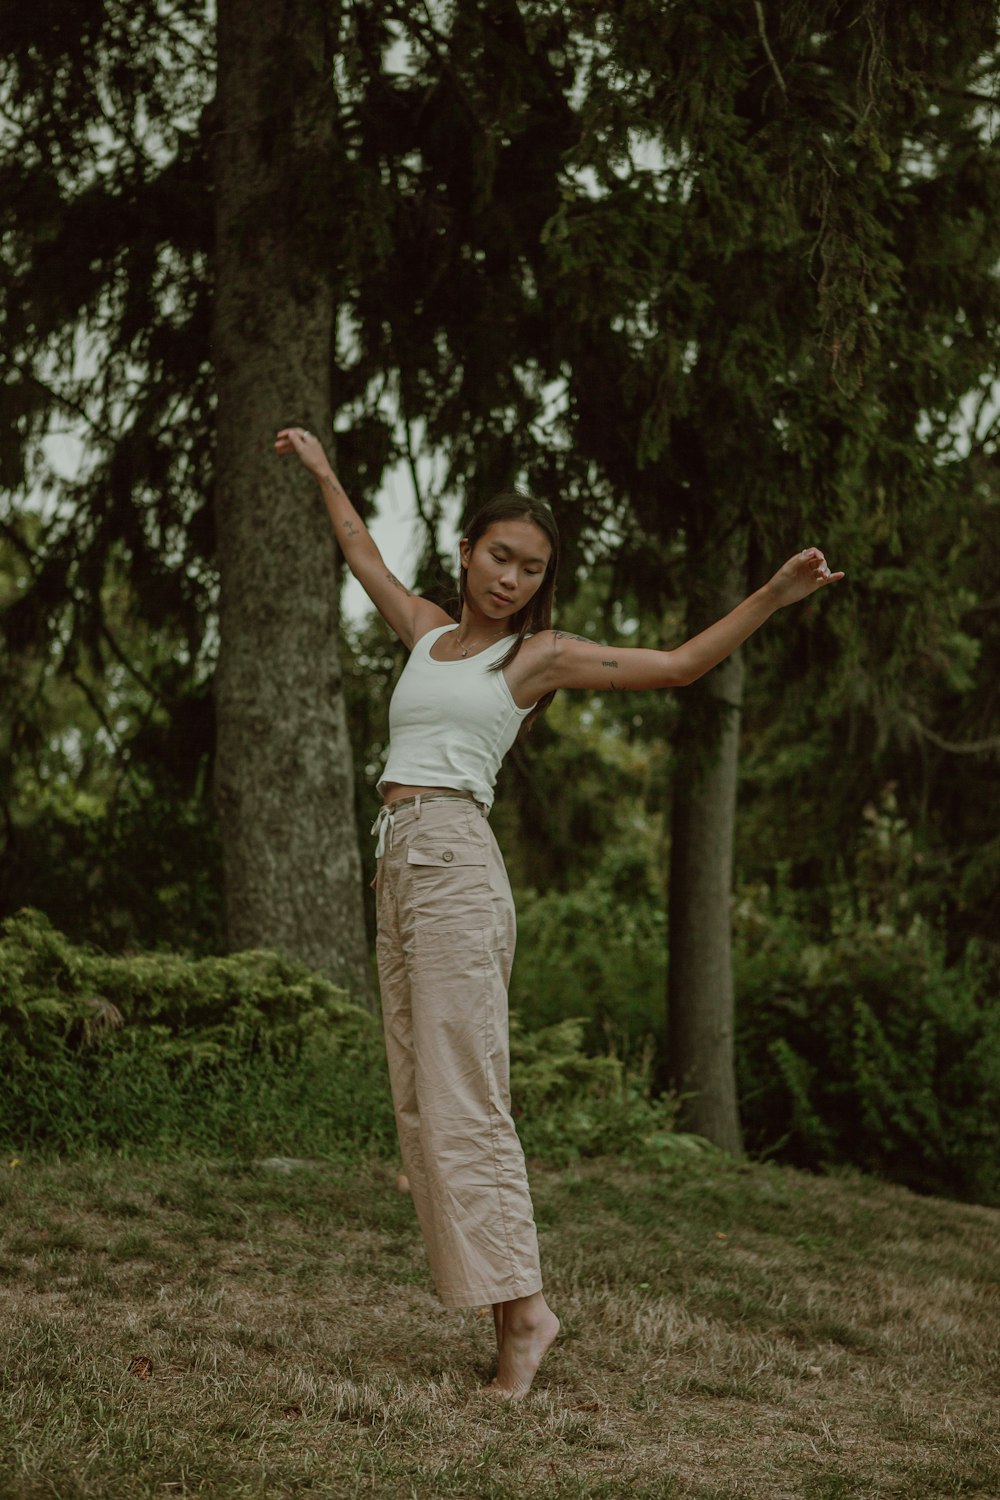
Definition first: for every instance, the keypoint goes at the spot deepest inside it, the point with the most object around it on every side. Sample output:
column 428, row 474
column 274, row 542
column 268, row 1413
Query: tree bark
column 700, row 1064
column 283, row 772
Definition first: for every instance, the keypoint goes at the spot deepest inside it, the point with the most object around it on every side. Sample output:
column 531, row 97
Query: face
column 505, row 568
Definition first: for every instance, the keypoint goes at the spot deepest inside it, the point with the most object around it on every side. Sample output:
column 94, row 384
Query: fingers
column 295, row 440
column 818, row 566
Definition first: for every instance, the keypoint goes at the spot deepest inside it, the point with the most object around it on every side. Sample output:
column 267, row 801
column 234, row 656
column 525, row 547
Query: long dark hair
column 515, row 505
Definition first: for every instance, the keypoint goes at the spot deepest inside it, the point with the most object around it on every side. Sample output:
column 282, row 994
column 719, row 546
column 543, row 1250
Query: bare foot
column 529, row 1330
column 498, row 1323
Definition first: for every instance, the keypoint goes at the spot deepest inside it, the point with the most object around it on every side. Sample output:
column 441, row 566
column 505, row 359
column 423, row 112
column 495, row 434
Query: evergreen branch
column 426, row 507
column 762, row 30
column 433, row 41
column 418, row 498
column 61, row 399
column 97, row 708
column 942, row 88
column 952, row 747
column 126, row 663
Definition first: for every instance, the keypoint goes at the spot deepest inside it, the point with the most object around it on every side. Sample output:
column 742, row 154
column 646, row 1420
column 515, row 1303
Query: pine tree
column 178, row 341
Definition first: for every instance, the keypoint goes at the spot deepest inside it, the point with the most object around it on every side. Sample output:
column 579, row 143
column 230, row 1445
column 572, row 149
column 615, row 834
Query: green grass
column 728, row 1332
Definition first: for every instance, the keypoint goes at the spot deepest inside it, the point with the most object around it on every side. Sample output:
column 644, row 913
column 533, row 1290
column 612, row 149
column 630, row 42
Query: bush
column 254, row 1055
column 250, row 1051
column 869, row 1049
column 570, row 1105
column 591, row 953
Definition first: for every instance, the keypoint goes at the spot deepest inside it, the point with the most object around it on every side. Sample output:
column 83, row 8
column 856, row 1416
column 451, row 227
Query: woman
column 445, row 916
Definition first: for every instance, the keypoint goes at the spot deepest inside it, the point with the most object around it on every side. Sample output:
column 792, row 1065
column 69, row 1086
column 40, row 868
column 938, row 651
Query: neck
column 475, row 633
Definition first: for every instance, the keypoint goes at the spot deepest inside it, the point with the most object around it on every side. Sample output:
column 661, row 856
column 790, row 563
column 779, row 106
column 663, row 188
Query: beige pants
column 445, row 947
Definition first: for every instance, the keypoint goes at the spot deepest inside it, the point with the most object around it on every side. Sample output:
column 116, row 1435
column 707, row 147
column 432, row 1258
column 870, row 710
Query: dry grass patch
column 198, row 1329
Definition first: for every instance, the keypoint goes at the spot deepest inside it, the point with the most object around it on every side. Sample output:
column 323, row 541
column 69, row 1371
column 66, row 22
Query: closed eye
column 501, row 557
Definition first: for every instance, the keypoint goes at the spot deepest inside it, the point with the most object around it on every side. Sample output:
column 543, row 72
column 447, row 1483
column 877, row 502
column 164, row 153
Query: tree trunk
column 700, row 977
column 283, row 775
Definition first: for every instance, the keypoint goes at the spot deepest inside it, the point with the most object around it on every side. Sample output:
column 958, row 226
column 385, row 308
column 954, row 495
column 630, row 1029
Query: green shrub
column 247, row 1051
column 870, row 1049
column 593, row 954
column 569, row 1104
column 254, row 1055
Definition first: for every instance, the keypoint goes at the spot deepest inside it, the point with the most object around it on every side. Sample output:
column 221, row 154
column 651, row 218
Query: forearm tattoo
column 393, row 579
column 566, row 635
column 350, row 526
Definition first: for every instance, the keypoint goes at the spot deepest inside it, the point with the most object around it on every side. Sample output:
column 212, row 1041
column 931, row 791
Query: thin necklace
column 464, row 649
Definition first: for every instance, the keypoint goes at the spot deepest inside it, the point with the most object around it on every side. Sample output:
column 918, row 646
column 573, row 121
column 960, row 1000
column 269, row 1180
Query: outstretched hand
column 307, row 449
column 801, row 576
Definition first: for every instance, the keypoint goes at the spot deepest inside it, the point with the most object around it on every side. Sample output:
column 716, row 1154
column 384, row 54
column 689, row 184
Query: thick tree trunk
column 700, row 983
column 284, row 779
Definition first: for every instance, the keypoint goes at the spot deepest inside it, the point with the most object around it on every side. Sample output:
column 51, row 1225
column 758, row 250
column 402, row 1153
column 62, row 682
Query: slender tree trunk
column 284, row 778
column 700, row 983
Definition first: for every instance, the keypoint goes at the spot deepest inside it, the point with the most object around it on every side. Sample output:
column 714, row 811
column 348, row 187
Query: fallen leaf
column 141, row 1367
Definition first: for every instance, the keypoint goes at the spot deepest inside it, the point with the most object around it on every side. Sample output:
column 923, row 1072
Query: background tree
column 751, row 337
column 284, row 782
column 105, row 307
column 112, row 257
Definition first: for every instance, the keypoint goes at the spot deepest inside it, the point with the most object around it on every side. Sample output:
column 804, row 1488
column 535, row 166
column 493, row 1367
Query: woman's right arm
column 407, row 614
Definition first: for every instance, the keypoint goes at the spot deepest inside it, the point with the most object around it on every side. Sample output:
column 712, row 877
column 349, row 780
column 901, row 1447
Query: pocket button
column 447, row 856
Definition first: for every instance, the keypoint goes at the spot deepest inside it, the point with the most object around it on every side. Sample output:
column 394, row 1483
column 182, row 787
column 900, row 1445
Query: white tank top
column 451, row 722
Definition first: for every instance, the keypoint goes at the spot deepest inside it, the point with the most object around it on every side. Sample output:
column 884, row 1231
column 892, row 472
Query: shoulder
column 539, row 663
column 548, row 645
column 540, row 649
column 428, row 617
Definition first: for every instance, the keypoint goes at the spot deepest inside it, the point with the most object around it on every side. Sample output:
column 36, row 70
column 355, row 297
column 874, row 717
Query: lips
column 500, row 598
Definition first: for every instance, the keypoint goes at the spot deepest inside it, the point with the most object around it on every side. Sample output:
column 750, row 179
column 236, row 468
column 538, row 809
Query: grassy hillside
column 201, row 1329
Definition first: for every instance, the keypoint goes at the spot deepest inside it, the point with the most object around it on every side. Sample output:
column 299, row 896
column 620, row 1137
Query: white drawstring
column 384, row 823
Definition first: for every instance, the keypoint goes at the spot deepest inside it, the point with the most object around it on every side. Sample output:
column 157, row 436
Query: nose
column 508, row 576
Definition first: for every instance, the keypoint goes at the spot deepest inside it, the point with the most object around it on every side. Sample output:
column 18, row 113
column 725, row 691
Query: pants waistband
column 384, row 825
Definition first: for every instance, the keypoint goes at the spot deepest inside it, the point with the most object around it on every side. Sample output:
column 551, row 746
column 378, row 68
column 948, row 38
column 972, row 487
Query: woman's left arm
column 566, row 661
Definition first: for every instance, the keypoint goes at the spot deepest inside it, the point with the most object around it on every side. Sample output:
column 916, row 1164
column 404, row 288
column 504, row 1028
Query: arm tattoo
column 393, row 579
column 609, row 664
column 565, row 635
column 331, row 484
column 350, row 529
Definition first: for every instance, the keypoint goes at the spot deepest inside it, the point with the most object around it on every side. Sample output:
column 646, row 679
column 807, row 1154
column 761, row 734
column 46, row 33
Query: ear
column 464, row 552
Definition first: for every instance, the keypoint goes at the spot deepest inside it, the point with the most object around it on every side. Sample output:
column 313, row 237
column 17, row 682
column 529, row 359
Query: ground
column 198, row 1328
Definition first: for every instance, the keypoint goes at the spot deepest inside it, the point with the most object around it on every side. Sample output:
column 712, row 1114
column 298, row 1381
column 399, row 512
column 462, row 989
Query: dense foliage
column 858, row 1040
column 256, row 1056
column 865, row 1048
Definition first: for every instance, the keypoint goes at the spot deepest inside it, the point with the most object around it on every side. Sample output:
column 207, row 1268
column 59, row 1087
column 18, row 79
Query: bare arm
column 409, row 615
column 566, row 661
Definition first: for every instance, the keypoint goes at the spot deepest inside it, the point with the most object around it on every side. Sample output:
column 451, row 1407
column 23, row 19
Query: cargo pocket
column 447, row 881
